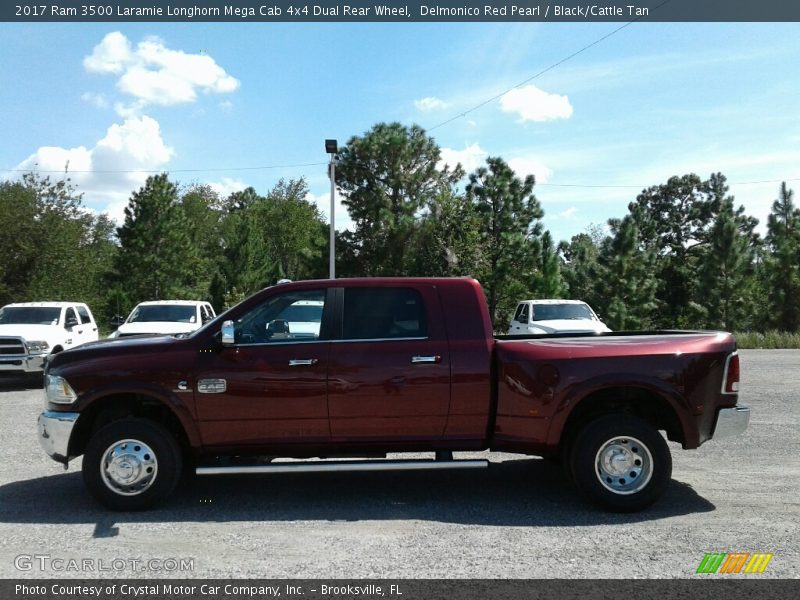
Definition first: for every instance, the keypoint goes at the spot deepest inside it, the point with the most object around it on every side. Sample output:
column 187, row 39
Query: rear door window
column 383, row 313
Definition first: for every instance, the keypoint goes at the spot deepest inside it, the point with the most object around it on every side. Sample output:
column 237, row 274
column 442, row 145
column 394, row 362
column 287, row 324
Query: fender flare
column 575, row 396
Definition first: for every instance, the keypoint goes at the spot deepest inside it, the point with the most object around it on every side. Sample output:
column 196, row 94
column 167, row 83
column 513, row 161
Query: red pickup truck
column 363, row 367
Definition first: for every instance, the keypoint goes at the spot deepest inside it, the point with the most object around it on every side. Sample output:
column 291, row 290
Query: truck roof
column 176, row 302
column 553, row 301
column 45, row 304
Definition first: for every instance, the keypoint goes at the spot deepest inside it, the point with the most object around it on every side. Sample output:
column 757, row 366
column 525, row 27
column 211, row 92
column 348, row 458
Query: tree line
column 684, row 256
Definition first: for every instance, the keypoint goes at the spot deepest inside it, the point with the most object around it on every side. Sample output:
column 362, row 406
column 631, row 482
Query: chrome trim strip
column 365, row 465
column 55, row 429
column 311, row 341
column 731, row 422
column 725, row 373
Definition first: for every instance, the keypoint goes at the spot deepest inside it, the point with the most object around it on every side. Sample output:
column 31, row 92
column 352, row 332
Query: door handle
column 302, row 362
column 423, row 360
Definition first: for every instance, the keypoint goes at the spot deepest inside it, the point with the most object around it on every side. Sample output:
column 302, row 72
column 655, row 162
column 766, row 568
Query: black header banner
column 700, row 588
column 399, row 11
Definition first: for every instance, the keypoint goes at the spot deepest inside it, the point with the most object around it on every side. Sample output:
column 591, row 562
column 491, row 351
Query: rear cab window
column 383, row 313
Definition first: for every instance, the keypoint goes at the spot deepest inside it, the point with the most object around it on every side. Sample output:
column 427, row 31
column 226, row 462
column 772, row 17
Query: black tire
column 134, row 446
column 615, row 443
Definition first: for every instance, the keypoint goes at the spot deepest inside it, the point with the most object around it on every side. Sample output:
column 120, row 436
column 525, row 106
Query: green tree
column 508, row 214
column 386, row 177
column 783, row 263
column 727, row 270
column 548, row 281
column 447, row 241
column 627, row 281
column 673, row 222
column 581, row 269
column 156, row 259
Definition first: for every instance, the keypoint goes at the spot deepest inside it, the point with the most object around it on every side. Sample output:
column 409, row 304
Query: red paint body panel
column 507, row 394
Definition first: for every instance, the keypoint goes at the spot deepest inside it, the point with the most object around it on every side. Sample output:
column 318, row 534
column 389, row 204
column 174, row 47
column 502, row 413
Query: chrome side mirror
column 228, row 333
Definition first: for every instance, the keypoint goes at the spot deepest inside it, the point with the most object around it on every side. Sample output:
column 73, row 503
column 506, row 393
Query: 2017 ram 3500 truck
column 370, row 366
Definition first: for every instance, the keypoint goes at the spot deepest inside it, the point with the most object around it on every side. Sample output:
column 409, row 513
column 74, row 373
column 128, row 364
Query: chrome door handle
column 302, row 362
column 422, row 360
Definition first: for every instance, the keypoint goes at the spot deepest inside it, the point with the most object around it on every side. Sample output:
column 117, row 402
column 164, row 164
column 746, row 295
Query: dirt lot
column 518, row 519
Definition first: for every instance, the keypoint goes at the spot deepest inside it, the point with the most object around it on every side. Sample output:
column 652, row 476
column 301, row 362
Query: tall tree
column 581, row 270
column 387, row 176
column 447, row 241
column 673, row 222
column 156, row 259
column 627, row 279
column 548, row 281
column 726, row 269
column 783, row 265
column 508, row 214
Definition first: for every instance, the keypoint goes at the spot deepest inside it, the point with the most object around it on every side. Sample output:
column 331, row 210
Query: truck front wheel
column 621, row 462
column 131, row 464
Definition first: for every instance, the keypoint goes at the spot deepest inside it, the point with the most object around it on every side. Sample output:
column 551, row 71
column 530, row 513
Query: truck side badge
column 212, row 386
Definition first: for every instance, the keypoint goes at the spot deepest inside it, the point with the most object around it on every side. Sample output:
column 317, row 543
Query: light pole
column 331, row 148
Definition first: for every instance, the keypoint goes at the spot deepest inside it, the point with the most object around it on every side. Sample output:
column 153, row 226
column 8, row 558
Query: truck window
column 382, row 313
column 83, row 313
column 290, row 317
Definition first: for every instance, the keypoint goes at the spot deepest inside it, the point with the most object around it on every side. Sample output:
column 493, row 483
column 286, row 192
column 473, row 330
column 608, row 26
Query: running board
column 362, row 465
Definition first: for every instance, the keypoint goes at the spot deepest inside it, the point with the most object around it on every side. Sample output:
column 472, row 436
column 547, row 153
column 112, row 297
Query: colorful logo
column 734, row 562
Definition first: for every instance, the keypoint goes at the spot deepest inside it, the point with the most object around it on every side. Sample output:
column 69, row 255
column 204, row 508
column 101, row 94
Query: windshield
column 29, row 315
column 552, row 312
column 163, row 312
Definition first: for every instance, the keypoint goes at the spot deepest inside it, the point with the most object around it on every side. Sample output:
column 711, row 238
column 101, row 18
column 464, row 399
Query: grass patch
column 768, row 340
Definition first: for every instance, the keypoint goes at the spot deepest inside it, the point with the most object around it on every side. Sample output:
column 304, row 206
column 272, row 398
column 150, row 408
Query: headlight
column 58, row 391
column 38, row 347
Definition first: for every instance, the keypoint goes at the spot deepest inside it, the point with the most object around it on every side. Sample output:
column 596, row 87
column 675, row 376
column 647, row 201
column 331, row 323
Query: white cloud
column 227, row 186
column 96, row 100
column 323, row 203
column 471, row 157
column 533, row 104
column 430, row 103
column 528, row 165
column 111, row 55
column 155, row 75
column 113, row 168
column 568, row 214
column 226, row 105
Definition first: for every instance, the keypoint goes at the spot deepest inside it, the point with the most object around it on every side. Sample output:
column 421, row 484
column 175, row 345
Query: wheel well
column 635, row 401
column 122, row 406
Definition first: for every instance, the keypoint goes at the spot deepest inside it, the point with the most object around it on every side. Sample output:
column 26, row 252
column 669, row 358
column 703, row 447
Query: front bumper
column 55, row 429
column 24, row 363
column 731, row 421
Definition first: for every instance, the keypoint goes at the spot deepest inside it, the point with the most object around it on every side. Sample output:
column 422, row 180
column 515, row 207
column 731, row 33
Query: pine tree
column 156, row 258
column 783, row 264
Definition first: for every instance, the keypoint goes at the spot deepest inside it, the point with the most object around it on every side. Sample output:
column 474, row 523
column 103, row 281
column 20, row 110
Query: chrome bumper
column 27, row 363
column 55, row 429
column 731, row 421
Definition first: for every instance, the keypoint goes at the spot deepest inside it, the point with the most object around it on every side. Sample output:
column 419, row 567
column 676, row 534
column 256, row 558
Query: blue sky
column 202, row 100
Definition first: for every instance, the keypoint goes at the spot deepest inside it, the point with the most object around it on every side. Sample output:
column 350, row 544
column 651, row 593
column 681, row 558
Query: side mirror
column 117, row 321
column 70, row 323
column 228, row 333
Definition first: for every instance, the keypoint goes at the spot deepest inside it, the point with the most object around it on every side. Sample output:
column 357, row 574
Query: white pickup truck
column 555, row 316
column 30, row 331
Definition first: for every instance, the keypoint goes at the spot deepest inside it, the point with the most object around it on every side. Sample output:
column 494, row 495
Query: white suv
column 30, row 331
column 165, row 317
column 555, row 316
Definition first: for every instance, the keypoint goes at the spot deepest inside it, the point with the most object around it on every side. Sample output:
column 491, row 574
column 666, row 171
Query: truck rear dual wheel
column 131, row 464
column 621, row 462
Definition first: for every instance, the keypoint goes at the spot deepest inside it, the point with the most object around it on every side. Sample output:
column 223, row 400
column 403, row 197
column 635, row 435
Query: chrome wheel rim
column 624, row 465
column 129, row 467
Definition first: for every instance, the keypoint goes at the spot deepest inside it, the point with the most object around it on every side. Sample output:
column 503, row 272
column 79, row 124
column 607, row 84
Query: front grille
column 12, row 345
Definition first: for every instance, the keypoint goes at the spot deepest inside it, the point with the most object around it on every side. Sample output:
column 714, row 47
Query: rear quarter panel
column 541, row 381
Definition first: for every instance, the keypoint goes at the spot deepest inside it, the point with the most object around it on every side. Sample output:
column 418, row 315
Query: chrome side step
column 356, row 465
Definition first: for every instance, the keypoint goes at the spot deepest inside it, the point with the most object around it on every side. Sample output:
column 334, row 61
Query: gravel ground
column 518, row 519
